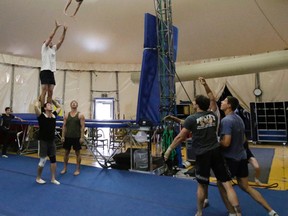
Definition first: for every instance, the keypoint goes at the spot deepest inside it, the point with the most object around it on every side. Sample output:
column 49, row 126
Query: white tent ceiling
column 111, row 31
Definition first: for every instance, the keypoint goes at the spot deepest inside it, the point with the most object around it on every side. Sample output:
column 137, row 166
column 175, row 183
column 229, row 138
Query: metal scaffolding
column 166, row 64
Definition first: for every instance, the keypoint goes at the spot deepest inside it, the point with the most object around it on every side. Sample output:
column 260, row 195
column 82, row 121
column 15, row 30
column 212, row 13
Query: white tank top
column 48, row 58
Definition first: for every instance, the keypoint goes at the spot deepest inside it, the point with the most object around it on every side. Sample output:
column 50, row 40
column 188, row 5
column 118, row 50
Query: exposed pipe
column 64, row 89
column 263, row 62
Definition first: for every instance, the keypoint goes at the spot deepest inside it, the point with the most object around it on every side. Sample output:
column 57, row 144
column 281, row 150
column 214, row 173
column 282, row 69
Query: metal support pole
column 117, row 93
column 166, row 64
column 12, row 85
column 64, row 85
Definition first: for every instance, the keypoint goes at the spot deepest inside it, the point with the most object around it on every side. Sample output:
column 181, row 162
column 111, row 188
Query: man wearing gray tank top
column 73, row 135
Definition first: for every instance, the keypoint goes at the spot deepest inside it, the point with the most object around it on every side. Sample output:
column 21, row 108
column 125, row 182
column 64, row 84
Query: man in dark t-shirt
column 47, row 148
column 203, row 125
column 6, row 119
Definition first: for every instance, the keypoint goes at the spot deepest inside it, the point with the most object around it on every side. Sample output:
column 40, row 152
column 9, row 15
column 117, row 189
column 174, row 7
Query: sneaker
column 55, row 182
column 4, row 156
column 257, row 181
column 40, row 181
column 273, row 213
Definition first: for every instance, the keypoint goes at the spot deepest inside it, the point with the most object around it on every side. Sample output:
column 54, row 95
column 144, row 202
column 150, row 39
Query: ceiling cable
column 285, row 42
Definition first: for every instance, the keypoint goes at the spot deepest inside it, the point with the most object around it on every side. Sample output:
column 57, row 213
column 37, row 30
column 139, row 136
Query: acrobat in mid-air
column 77, row 8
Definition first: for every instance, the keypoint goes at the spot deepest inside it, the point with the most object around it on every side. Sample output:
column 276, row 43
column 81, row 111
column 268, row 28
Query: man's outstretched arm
column 213, row 103
column 49, row 39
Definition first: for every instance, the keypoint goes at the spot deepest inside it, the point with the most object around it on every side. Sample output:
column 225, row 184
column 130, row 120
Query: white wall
column 20, row 86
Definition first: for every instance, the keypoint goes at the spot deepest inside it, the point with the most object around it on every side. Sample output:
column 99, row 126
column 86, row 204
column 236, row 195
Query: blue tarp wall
column 149, row 89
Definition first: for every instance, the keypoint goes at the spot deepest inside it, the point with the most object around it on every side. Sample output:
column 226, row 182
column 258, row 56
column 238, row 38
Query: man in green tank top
column 73, row 135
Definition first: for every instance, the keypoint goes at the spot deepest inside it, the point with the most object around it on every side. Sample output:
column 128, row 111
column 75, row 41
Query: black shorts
column 214, row 160
column 237, row 169
column 69, row 142
column 47, row 77
column 47, row 148
column 249, row 154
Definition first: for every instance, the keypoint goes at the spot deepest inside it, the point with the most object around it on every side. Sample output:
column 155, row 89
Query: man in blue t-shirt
column 232, row 138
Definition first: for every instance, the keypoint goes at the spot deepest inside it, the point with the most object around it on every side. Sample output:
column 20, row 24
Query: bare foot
column 76, row 173
column 63, row 171
column 206, row 203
